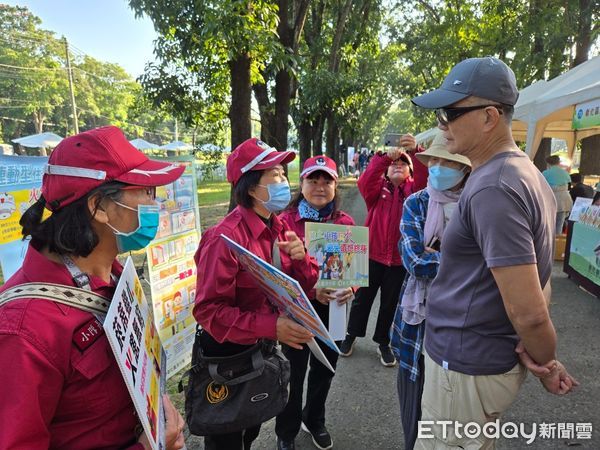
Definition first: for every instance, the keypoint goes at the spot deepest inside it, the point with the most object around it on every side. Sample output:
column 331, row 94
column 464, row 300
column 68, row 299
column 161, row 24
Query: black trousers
column 409, row 394
column 288, row 421
column 240, row 440
column 389, row 279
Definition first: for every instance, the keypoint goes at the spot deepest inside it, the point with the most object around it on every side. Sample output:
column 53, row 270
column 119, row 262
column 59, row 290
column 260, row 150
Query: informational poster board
column 586, row 115
column 134, row 340
column 171, row 267
column 286, row 295
column 584, row 255
column 342, row 252
column 20, row 187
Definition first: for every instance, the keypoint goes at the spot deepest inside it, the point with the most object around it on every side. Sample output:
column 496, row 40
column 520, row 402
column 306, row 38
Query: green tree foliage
column 32, row 79
column 539, row 39
column 208, row 55
column 34, row 89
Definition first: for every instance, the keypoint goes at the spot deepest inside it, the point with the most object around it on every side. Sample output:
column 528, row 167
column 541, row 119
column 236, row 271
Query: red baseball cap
column 320, row 162
column 87, row 160
column 254, row 154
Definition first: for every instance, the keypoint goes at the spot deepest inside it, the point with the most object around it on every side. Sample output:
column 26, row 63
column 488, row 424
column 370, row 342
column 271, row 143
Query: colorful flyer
column 342, row 252
column 20, row 187
column 580, row 205
column 171, row 267
column 286, row 295
column 130, row 330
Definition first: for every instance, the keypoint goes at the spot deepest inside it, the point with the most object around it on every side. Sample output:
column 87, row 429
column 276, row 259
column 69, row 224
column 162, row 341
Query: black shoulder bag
column 232, row 393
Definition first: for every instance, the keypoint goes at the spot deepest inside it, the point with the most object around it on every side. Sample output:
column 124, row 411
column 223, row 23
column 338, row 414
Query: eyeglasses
column 150, row 190
column 447, row 115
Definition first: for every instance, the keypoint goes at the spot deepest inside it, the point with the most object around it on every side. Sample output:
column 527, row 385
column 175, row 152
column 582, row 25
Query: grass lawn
column 213, row 197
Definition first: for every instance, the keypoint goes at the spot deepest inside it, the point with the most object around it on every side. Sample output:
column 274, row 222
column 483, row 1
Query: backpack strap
column 67, row 295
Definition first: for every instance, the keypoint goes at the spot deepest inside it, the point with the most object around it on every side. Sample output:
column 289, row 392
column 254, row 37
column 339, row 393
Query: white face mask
column 279, row 196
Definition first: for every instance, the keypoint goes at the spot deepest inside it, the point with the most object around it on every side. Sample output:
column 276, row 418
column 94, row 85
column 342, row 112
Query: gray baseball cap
column 487, row 78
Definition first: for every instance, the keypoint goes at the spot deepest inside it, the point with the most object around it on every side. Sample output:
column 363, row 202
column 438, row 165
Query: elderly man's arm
column 527, row 309
column 526, row 305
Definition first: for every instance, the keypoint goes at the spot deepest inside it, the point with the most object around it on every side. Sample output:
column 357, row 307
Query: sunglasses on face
column 399, row 162
column 447, row 115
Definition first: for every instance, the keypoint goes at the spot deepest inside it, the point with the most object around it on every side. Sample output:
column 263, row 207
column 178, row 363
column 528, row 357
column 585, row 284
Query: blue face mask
column 279, row 196
column 143, row 234
column 442, row 178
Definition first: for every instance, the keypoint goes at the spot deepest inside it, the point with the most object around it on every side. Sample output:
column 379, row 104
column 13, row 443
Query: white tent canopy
column 178, row 145
column 39, row 140
column 546, row 108
column 142, row 144
column 426, row 136
column 209, row 148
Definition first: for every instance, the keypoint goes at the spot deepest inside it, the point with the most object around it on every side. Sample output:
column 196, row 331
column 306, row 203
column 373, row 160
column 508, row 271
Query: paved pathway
column 363, row 409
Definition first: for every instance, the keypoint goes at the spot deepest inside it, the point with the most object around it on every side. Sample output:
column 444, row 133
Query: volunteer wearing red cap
column 233, row 311
column 60, row 390
column 389, row 179
column 317, row 201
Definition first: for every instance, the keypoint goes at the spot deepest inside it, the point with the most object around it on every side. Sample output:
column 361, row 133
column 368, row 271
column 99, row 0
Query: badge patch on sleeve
column 87, row 334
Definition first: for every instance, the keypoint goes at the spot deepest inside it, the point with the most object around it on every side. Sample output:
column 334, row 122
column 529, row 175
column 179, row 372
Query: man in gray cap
column 489, row 299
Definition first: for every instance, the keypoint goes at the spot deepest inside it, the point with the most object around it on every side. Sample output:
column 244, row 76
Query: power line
column 53, row 69
column 106, row 79
column 26, row 106
column 146, row 129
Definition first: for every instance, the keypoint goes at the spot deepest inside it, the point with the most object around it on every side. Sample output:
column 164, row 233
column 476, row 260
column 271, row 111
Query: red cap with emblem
column 320, row 162
column 254, row 154
column 87, row 160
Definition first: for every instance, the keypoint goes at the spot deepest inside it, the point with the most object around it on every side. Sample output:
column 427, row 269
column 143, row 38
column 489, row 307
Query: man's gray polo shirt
column 505, row 217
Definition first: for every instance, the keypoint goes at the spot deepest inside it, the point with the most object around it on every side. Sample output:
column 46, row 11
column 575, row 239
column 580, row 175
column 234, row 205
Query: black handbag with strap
column 228, row 394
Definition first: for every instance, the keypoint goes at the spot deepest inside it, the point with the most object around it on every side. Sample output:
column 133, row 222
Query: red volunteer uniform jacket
column 292, row 219
column 384, row 205
column 229, row 304
column 60, row 384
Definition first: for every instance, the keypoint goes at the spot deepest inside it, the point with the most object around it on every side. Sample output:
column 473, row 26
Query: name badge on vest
column 87, row 334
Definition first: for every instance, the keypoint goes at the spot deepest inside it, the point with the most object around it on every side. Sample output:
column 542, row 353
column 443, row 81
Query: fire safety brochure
column 130, row 330
column 286, row 295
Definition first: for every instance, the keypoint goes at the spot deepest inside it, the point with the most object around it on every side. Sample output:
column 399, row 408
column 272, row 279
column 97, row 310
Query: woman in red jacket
column 61, row 386
column 389, row 179
column 317, row 201
column 233, row 311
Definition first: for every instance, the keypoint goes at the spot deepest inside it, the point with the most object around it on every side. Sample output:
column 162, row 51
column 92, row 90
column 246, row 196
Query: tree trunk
column 537, row 52
column 335, row 54
column 317, row 136
column 543, row 152
column 304, row 140
column 590, row 156
column 241, row 96
column 584, row 32
column 283, row 80
column 265, row 109
column 38, row 121
column 331, row 138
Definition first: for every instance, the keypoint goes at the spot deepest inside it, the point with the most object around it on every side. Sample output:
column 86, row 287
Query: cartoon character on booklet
column 334, row 267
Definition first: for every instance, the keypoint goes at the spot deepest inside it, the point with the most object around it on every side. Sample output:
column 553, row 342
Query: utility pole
column 176, row 130
column 70, row 74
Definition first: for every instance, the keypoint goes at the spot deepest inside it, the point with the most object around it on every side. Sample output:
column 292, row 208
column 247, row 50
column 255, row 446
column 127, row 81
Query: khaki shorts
column 457, row 397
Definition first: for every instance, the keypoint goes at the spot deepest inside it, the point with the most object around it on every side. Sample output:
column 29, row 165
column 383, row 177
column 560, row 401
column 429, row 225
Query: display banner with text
column 20, row 187
column 171, row 267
